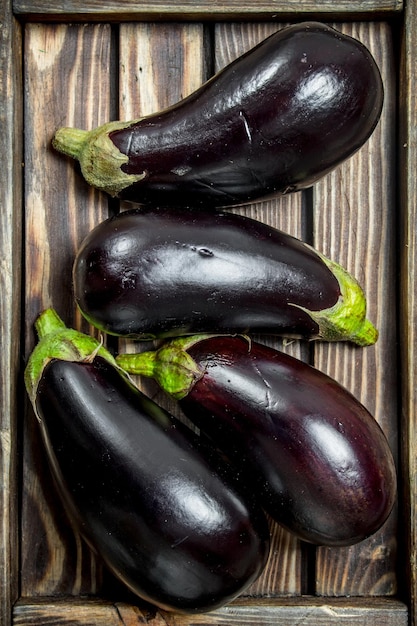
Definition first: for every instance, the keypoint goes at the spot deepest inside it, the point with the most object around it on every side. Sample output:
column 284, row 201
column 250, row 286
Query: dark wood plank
column 68, row 610
column 284, row 573
column 67, row 82
column 407, row 152
column 307, row 611
column 55, row 561
column 355, row 225
column 284, row 612
column 123, row 10
column 10, row 281
column 159, row 64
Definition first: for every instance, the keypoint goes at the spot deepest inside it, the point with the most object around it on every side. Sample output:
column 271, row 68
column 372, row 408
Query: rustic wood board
column 80, row 75
column 165, row 64
column 407, row 205
column 10, row 313
column 354, row 221
column 119, row 10
column 307, row 611
column 66, row 81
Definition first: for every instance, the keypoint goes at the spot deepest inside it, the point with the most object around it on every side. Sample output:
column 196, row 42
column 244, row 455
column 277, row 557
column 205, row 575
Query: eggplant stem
column 70, row 141
column 90, row 357
column 56, row 341
column 140, row 364
column 48, row 322
column 346, row 320
column 100, row 160
column 171, row 366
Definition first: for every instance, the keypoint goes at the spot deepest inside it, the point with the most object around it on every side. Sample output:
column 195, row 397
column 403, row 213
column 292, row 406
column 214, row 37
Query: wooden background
column 84, row 73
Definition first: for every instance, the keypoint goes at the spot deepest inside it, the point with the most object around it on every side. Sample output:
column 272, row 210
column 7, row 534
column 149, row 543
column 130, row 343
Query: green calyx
column 100, row 160
column 170, row 366
column 56, row 341
column 346, row 320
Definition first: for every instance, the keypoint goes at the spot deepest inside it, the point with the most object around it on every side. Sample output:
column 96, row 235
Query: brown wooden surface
column 119, row 10
column 407, row 205
column 286, row 571
column 67, row 82
column 86, row 74
column 157, row 66
column 307, row 611
column 10, row 279
column 354, row 222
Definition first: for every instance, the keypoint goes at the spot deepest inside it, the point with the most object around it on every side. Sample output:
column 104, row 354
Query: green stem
column 346, row 320
column 140, row 364
column 366, row 334
column 100, row 161
column 48, row 322
column 70, row 141
column 56, row 341
column 170, row 366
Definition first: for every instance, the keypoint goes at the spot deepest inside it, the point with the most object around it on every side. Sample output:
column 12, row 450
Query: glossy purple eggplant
column 165, row 512
column 162, row 272
column 275, row 120
column 320, row 461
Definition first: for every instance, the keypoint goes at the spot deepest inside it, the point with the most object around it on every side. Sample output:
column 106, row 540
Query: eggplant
column 158, row 272
column 319, row 460
column 165, row 512
column 275, row 120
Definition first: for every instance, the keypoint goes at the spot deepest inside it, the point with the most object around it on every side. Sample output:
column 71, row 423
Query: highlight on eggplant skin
column 164, row 511
column 275, row 120
column 320, row 461
column 158, row 272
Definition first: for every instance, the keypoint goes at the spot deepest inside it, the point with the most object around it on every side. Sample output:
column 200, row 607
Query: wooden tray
column 81, row 64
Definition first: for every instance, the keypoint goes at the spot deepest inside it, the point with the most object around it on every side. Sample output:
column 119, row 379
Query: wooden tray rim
column 407, row 159
column 127, row 10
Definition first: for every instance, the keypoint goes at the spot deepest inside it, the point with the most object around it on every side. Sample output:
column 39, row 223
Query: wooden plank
column 284, row 612
column 66, row 76
column 407, row 152
column 307, row 611
column 48, row 545
column 64, row 611
column 124, row 10
column 355, row 225
column 159, row 64
column 10, row 280
column 285, row 572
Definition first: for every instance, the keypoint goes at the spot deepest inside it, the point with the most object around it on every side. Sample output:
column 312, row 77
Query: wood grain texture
column 407, row 153
column 70, row 78
column 285, row 572
column 67, row 611
column 121, row 10
column 307, row 611
column 66, row 74
column 10, row 310
column 159, row 64
column 354, row 224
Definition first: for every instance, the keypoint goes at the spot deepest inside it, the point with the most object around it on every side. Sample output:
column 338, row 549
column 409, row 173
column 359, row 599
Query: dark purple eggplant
column 273, row 121
column 320, row 462
column 165, row 512
column 162, row 272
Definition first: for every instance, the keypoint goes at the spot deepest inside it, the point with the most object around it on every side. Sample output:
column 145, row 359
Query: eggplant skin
column 157, row 272
column 275, row 120
column 317, row 457
column 161, row 508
